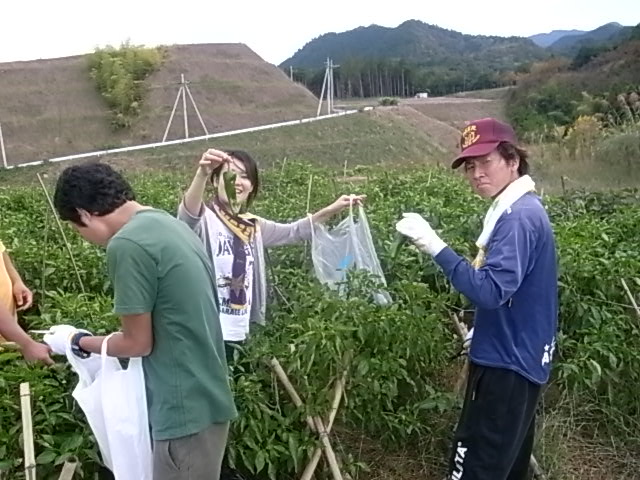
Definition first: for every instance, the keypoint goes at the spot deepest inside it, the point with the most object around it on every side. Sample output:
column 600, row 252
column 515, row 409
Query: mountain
column 546, row 39
column 608, row 33
column 417, row 42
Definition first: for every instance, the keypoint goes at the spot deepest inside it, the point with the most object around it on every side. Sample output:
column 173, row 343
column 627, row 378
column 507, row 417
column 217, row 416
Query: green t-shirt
column 158, row 265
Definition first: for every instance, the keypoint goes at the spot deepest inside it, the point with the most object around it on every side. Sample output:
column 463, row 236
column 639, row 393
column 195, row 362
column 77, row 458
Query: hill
column 418, row 42
column 51, row 107
column 608, row 33
column 546, row 39
column 557, row 92
column 413, row 57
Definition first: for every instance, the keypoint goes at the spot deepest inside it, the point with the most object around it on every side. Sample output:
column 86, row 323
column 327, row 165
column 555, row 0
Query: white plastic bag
column 114, row 401
column 349, row 245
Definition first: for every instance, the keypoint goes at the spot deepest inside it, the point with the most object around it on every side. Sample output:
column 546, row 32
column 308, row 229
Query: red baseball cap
column 481, row 137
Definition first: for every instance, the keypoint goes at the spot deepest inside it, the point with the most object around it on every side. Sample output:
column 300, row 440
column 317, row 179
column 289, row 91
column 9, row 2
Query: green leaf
column 363, row 368
column 229, row 178
column 293, row 451
column 48, row 456
column 260, row 461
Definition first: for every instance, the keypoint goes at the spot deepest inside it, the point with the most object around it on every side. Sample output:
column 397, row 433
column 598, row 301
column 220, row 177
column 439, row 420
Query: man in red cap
column 513, row 285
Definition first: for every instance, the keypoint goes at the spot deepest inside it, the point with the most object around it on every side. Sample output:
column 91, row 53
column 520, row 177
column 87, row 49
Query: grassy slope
column 360, row 139
column 51, row 107
column 394, row 136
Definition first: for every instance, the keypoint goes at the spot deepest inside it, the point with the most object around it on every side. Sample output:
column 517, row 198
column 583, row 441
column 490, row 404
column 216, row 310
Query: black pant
column 494, row 437
column 229, row 349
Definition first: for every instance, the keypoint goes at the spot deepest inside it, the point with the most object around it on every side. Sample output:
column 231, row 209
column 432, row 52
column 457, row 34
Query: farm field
column 400, row 407
column 398, row 361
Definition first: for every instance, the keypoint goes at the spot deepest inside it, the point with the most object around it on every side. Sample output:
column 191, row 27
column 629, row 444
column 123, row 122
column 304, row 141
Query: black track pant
column 494, row 437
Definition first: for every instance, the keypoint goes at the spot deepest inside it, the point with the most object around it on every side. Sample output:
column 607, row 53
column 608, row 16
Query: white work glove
column 467, row 340
column 421, row 234
column 59, row 337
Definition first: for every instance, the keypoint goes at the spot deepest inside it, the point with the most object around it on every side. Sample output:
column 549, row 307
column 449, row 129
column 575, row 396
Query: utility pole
column 328, row 86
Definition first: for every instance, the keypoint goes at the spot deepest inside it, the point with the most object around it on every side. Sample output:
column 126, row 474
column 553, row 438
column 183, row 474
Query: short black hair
column 250, row 165
column 94, row 187
column 512, row 152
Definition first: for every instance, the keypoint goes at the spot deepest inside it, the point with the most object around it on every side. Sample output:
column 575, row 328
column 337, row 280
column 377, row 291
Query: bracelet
column 76, row 349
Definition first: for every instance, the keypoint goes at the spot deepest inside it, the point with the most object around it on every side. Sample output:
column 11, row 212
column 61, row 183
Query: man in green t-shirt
column 168, row 308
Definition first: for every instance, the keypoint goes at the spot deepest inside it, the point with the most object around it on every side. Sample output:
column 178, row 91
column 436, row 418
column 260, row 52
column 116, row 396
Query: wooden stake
column 27, row 432
column 315, row 423
column 184, row 107
column 173, row 111
column 4, row 153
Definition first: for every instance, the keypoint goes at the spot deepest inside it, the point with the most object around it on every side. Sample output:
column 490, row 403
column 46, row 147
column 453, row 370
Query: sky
column 274, row 29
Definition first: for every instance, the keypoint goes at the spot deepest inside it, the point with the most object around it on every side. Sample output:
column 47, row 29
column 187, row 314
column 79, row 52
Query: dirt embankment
column 51, row 107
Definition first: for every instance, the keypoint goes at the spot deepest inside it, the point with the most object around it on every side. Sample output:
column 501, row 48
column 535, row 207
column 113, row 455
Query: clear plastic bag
column 347, row 246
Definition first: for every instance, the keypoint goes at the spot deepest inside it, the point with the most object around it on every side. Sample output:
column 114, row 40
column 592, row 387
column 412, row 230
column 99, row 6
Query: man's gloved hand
column 467, row 340
column 59, row 337
column 421, row 234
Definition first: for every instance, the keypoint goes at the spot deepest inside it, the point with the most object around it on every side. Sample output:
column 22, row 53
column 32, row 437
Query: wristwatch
column 76, row 349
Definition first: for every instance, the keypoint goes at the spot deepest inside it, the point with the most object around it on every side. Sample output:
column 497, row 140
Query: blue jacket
column 515, row 293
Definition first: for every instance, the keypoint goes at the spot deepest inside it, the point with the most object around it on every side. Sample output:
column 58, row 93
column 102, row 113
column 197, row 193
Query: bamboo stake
column 315, row 423
column 537, row 471
column 337, row 397
column 27, row 432
column 284, row 164
column 462, row 378
column 306, row 244
column 309, row 192
column 68, row 470
column 64, row 237
column 629, row 294
column 44, row 255
column 461, row 328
